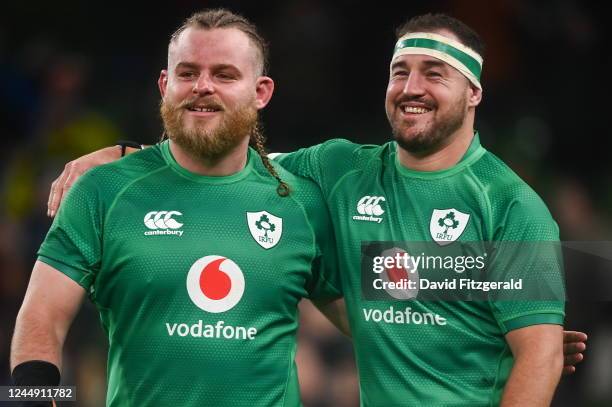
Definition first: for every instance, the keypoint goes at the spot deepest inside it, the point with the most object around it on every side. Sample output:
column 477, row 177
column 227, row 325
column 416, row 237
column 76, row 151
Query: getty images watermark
column 463, row 271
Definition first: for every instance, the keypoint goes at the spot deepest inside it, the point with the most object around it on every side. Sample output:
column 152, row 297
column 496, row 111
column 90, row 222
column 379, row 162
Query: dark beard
column 434, row 139
column 207, row 144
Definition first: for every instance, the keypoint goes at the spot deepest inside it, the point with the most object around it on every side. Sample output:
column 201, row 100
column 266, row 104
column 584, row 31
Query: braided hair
column 258, row 142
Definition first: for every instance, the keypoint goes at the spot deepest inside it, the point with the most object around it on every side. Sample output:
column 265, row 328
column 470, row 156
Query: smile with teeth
column 415, row 110
column 202, row 109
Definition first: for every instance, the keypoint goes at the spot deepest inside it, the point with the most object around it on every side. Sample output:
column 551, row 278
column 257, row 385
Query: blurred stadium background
column 76, row 76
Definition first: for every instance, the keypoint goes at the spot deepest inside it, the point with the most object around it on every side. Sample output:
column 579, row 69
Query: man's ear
column 474, row 96
column 263, row 89
column 162, row 82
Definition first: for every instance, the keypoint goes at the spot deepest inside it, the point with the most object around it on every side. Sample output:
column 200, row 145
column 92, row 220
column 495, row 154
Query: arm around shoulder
column 75, row 168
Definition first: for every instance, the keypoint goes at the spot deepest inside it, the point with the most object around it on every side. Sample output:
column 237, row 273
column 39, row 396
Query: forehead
column 212, row 46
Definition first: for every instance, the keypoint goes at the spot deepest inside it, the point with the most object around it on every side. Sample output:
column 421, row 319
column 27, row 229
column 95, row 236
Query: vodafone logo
column 215, row 284
column 399, row 278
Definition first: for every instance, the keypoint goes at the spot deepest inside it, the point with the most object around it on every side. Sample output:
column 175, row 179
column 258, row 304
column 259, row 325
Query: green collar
column 473, row 153
column 227, row 179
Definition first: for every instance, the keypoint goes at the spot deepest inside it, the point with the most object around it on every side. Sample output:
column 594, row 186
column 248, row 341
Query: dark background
column 75, row 76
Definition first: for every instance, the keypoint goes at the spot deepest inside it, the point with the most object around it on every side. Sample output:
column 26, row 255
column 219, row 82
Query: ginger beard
column 208, row 144
column 430, row 136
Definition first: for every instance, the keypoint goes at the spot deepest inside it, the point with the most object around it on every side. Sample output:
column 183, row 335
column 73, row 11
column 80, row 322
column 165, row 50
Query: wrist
column 36, row 373
column 130, row 150
column 128, row 147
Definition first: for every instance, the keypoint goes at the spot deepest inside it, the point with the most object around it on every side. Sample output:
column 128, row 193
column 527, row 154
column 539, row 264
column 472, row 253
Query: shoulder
column 336, row 149
column 304, row 190
column 514, row 203
column 335, row 155
column 136, row 163
column 109, row 179
column 504, row 184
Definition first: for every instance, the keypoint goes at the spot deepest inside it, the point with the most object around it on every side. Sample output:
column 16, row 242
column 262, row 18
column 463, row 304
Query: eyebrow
column 398, row 64
column 188, row 65
column 226, row 66
column 193, row 65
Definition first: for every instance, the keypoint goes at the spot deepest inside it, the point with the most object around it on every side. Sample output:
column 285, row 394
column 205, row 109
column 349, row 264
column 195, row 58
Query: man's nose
column 414, row 84
column 203, row 86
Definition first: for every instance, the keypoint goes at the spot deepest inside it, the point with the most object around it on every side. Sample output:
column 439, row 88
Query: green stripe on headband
column 471, row 63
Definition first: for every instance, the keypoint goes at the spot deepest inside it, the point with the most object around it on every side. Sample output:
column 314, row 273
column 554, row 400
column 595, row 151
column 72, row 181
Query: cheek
column 240, row 98
column 391, row 96
column 177, row 91
column 393, row 89
column 451, row 96
column 441, row 98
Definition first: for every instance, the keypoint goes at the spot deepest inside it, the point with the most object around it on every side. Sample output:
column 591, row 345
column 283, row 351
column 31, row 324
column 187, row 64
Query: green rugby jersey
column 445, row 353
column 197, row 279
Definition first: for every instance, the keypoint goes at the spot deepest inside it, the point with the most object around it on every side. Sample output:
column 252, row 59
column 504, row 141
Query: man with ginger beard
column 434, row 183
column 196, row 252
column 214, row 144
column 194, row 137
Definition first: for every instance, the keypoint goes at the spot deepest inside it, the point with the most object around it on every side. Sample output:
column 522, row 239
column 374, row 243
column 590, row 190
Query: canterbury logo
column 369, row 205
column 162, row 220
column 369, row 209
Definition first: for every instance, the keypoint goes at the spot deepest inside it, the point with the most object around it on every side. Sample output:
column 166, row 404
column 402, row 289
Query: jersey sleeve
column 323, row 163
column 325, row 277
column 73, row 244
column 528, row 249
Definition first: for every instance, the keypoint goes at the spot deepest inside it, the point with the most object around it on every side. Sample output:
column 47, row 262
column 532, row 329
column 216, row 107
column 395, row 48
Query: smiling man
column 439, row 353
column 433, row 183
column 195, row 252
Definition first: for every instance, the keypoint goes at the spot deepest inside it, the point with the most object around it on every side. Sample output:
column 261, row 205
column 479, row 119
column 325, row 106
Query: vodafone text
column 403, row 316
column 219, row 330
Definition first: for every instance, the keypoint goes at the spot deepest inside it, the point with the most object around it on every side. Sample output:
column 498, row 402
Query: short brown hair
column 222, row 18
column 428, row 22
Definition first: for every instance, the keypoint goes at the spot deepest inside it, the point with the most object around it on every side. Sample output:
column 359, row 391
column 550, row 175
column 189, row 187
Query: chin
column 411, row 134
column 415, row 141
column 199, row 127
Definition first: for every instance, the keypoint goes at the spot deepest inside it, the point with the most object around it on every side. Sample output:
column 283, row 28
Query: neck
column 445, row 157
column 231, row 163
